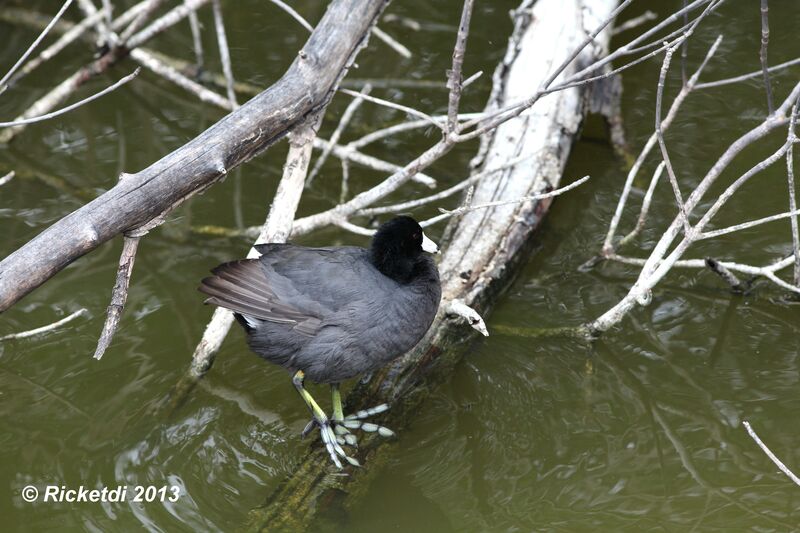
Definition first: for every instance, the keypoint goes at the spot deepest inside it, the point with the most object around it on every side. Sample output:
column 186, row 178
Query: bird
column 332, row 313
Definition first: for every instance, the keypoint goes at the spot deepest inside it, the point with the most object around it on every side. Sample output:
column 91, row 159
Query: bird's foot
column 342, row 429
column 331, row 441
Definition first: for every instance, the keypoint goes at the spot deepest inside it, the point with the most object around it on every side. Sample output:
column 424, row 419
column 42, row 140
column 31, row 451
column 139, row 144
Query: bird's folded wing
column 242, row 286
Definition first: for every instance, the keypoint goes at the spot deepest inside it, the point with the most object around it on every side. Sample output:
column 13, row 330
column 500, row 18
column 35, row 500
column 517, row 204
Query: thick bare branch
column 307, row 85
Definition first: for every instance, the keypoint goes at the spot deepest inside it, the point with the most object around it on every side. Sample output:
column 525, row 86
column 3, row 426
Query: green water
column 639, row 431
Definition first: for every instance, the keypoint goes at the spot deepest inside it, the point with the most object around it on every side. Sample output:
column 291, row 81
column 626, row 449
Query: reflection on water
column 640, row 430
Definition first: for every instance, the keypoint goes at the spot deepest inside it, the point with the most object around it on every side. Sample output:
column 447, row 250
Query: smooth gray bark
column 138, row 198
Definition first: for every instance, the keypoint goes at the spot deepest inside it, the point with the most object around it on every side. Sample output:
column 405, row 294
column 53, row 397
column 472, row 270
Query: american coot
column 330, row 314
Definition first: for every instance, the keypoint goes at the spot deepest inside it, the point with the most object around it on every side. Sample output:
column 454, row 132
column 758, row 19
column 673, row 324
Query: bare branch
column 33, row 46
column 458, row 307
column 294, row 14
column 391, row 42
column 748, row 76
column 8, row 177
column 69, row 108
column 723, row 272
column 152, row 63
column 534, row 197
column 337, row 133
column 763, row 54
column 687, row 229
column 635, row 22
column 65, row 40
column 224, row 52
column 791, row 138
column 746, row 225
column 119, row 294
column 386, row 103
column 411, row 204
column 144, row 14
column 197, row 40
column 608, row 244
column 646, row 201
column 45, row 329
column 454, row 76
column 347, row 154
column 772, row 456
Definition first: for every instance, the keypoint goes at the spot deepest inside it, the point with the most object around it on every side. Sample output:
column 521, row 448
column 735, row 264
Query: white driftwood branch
column 459, row 308
column 8, row 177
column 772, row 456
column 45, row 329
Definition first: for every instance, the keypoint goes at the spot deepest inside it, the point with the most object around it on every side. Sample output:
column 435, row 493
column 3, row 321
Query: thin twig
column 119, row 294
column 684, row 48
column 197, row 40
column 534, row 197
column 608, row 244
column 748, row 76
column 769, row 453
column 687, row 229
column 65, row 40
column 391, row 42
column 370, row 161
column 140, row 19
column 471, row 180
column 746, row 225
column 45, row 329
column 454, row 76
column 763, row 54
column 791, row 138
column 36, row 42
column 382, row 133
column 386, row 103
column 723, row 272
column 154, row 64
column 337, row 133
column 8, row 177
column 76, row 105
column 224, row 52
column 294, row 14
column 634, row 22
column 645, row 209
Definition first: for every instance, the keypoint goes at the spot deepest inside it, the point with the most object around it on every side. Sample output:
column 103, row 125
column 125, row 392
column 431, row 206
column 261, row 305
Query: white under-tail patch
column 252, row 322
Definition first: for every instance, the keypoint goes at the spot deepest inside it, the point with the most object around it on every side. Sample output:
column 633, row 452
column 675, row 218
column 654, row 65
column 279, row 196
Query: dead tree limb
column 482, row 248
column 235, row 139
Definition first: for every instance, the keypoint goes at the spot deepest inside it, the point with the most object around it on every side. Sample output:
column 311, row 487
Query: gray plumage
column 333, row 313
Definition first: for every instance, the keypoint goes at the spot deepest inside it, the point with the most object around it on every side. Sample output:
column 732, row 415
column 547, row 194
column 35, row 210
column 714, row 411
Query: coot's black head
column 397, row 246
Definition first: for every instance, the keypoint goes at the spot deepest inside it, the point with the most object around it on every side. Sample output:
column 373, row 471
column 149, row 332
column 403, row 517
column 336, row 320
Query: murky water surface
column 642, row 430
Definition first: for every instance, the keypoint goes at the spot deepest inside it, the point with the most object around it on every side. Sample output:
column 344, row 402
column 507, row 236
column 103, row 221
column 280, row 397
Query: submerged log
column 482, row 248
column 138, row 198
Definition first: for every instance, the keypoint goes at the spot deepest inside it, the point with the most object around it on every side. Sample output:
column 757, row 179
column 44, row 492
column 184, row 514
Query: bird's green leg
column 336, row 396
column 321, row 419
column 343, row 424
column 343, row 435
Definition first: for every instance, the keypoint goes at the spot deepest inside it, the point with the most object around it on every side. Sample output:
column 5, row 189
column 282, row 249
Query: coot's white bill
column 428, row 245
